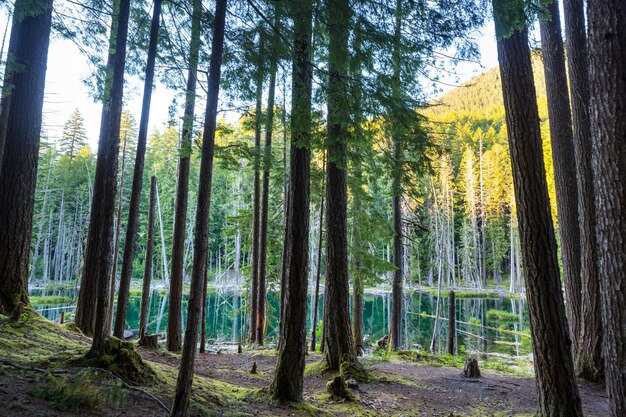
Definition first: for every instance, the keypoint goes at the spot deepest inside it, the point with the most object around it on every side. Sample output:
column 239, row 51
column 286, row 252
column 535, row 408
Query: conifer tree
column 74, row 137
column 549, row 331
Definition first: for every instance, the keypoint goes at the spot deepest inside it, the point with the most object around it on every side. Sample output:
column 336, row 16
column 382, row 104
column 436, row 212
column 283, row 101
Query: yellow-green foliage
column 500, row 315
column 46, row 300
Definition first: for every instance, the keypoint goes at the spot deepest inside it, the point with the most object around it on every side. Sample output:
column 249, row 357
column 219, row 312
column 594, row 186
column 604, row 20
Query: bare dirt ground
column 224, row 386
column 397, row 389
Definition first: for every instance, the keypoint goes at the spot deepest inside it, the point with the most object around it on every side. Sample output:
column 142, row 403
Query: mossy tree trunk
column 18, row 173
column 549, row 333
column 201, row 238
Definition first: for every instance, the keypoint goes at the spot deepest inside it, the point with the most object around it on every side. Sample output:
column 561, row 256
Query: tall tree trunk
column 588, row 361
column 256, row 202
column 8, row 82
column 339, row 349
column 359, row 244
column 135, row 194
column 174, row 320
column 147, row 271
column 201, row 238
column 18, row 175
column 289, row 374
column 267, row 156
column 116, row 236
column 551, row 342
column 607, row 73
column 561, row 138
column 395, row 326
column 94, row 288
column 318, row 270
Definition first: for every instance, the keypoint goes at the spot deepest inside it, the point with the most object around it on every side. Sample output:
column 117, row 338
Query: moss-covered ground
column 40, row 376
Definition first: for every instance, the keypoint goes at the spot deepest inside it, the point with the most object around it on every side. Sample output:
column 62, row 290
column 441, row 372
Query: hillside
column 483, row 94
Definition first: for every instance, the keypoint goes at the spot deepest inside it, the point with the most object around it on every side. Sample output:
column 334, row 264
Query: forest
column 331, row 220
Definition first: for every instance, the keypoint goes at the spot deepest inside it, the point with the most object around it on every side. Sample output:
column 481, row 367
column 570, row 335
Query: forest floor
column 39, row 377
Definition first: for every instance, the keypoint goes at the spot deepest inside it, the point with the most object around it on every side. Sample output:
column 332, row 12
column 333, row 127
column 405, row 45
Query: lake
column 484, row 324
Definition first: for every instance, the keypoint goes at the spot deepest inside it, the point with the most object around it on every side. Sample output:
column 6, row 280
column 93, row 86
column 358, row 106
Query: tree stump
column 253, row 370
column 471, row 369
column 150, row 341
column 337, row 389
column 383, row 342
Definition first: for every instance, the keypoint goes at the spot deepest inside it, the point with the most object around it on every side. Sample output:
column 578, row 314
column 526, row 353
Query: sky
column 67, row 68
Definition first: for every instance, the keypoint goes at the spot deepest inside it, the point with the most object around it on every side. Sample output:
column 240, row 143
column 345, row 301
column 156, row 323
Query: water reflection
column 477, row 331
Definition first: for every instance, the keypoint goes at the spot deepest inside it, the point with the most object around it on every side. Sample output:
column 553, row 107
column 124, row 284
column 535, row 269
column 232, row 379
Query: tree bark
column 269, row 123
column 556, row 383
column 147, row 272
column 116, row 236
column 135, row 195
column 18, row 174
column 256, row 202
column 94, row 288
column 395, row 325
column 588, row 360
column 607, row 73
column 201, row 238
column 561, row 138
column 289, row 374
column 8, row 83
column 174, row 318
column 318, row 271
column 451, row 322
column 339, row 349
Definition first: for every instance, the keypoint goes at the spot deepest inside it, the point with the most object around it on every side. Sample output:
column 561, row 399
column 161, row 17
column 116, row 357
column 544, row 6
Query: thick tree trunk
column 94, row 288
column 289, row 375
column 201, row 238
column 588, row 360
column 97, row 270
column 135, row 195
column 549, row 333
column 8, row 82
column 267, row 155
column 147, row 272
column 395, row 326
column 18, row 174
column 174, row 318
column 256, row 201
column 338, row 342
column 561, row 139
column 607, row 73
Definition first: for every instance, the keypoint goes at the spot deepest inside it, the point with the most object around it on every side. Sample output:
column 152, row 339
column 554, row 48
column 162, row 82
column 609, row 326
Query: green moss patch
column 500, row 315
column 48, row 300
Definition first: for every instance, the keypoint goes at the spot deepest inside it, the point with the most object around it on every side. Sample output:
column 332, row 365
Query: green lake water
column 476, row 329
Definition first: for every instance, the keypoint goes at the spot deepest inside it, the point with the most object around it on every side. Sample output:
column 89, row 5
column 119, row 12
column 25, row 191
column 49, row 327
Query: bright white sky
column 65, row 90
